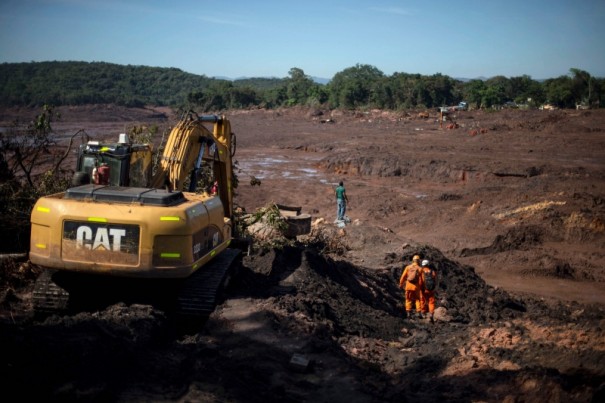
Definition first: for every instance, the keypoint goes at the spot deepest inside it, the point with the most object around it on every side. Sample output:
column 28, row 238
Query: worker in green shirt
column 341, row 201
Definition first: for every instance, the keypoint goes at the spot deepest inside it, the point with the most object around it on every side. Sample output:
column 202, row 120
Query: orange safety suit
column 412, row 289
column 427, row 297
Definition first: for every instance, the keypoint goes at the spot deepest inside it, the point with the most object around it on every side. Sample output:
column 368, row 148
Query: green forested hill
column 360, row 86
column 74, row 83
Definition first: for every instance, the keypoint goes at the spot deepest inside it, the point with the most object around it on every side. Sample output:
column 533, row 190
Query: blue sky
column 247, row 38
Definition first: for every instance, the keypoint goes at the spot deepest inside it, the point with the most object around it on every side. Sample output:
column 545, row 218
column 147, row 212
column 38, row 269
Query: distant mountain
column 466, row 80
column 318, row 80
column 482, row 78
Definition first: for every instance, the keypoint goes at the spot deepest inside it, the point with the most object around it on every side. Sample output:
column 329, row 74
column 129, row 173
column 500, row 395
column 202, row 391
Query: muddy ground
column 509, row 205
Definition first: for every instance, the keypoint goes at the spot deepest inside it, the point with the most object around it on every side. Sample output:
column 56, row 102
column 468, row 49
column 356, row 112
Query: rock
column 442, row 315
column 299, row 363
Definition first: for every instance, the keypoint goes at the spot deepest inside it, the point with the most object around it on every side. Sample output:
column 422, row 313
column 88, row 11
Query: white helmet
column 425, row 262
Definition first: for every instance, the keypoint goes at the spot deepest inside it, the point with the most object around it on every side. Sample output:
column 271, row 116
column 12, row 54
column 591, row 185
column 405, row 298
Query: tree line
column 357, row 87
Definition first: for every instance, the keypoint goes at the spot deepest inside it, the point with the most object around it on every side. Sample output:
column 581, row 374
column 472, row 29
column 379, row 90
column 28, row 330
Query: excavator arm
column 190, row 141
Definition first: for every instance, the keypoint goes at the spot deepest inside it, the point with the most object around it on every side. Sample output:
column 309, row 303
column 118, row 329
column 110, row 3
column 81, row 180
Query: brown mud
column 509, row 207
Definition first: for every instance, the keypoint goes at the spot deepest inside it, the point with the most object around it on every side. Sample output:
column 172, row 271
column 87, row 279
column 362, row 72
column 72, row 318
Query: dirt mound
column 335, row 287
column 337, row 306
column 341, row 317
column 517, row 238
column 117, row 343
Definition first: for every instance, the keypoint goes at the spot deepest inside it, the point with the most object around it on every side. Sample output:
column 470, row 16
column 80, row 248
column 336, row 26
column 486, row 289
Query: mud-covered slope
column 344, row 318
column 334, row 289
column 487, row 343
column 522, row 200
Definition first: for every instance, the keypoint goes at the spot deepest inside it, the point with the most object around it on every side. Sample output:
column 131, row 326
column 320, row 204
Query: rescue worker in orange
column 410, row 283
column 428, row 287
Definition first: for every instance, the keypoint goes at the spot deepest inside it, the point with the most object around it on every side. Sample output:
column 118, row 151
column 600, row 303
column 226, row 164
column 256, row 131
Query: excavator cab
column 114, row 164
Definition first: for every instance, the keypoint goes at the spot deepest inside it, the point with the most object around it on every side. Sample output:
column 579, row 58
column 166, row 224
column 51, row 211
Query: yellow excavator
column 123, row 234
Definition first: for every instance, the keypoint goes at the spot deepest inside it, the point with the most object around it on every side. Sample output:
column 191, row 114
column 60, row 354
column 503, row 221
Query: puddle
column 263, row 167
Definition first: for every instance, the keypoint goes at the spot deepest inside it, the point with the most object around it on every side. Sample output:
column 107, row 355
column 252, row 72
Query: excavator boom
column 189, row 140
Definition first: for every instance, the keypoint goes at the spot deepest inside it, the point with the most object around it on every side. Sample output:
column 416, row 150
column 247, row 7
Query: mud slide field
column 508, row 205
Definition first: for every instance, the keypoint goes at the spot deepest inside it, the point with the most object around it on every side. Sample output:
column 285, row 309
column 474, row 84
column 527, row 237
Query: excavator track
column 193, row 297
column 48, row 296
column 200, row 293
